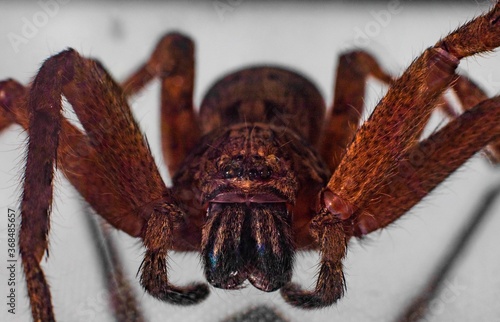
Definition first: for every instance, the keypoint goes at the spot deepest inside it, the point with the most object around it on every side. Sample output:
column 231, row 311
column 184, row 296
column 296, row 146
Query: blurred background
column 383, row 271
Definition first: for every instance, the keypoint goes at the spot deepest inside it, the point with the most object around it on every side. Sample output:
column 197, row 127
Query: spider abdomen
column 269, row 95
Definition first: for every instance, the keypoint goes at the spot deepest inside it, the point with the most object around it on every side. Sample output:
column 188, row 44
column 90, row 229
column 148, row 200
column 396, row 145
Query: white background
column 382, row 272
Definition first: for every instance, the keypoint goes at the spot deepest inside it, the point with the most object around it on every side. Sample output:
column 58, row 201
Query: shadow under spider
column 420, row 305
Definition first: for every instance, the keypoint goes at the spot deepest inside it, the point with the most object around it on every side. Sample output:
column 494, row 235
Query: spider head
column 249, row 189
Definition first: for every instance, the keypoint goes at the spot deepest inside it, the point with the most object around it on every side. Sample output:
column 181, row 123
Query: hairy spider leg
column 353, row 70
column 470, row 94
column 172, row 62
column 393, row 128
column 342, row 121
column 78, row 161
column 440, row 155
column 382, row 143
column 429, row 163
column 347, row 109
column 117, row 165
column 14, row 108
column 11, row 94
column 5, row 118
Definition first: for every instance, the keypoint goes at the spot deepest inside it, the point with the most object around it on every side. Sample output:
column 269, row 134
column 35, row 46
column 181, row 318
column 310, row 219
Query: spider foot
column 38, row 289
column 329, row 288
column 155, row 281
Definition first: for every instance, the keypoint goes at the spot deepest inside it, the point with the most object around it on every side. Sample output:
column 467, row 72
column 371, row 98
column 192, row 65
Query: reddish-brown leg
column 5, row 120
column 173, row 63
column 382, row 143
column 11, row 94
column 122, row 162
column 341, row 124
column 78, row 161
column 431, row 161
column 470, row 94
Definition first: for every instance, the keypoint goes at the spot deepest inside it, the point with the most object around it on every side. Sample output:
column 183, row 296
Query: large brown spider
column 347, row 207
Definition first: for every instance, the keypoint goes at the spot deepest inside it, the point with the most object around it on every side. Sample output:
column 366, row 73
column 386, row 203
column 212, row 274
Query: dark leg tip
column 296, row 296
column 189, row 295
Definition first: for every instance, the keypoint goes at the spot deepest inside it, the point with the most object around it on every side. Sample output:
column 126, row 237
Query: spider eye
column 238, row 167
column 262, row 173
column 228, row 172
column 252, row 173
column 265, row 173
column 232, row 171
